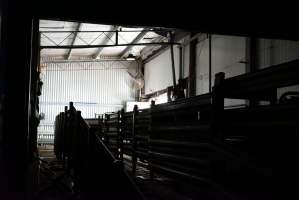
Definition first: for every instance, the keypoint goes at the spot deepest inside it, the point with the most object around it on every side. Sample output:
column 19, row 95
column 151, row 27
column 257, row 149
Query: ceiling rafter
column 136, row 40
column 74, row 40
column 108, row 37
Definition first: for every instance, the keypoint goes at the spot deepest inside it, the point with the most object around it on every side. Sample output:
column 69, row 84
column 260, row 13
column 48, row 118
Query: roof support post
column 192, row 68
column 210, row 62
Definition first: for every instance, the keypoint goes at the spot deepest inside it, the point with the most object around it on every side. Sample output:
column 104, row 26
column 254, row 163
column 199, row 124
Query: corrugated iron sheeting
column 273, row 52
column 94, row 87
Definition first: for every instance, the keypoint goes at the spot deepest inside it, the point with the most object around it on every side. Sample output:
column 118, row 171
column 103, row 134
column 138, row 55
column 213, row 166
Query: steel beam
column 74, row 40
column 136, row 40
column 110, row 34
column 114, row 45
column 172, row 62
column 113, row 31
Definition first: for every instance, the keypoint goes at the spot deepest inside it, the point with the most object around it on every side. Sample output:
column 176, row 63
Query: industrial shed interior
column 121, row 111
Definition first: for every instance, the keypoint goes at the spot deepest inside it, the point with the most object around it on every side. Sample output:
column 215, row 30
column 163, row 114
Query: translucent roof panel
column 56, row 39
column 50, row 25
column 112, row 51
column 54, row 52
column 93, row 37
column 148, row 38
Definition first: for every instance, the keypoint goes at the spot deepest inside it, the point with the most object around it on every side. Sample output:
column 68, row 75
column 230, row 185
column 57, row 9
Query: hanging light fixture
column 131, row 57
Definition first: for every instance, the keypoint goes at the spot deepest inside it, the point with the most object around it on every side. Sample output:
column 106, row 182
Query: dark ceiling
column 246, row 18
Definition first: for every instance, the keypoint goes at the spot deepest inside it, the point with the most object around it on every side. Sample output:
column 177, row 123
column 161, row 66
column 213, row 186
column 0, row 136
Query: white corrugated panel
column 274, row 52
column 94, row 87
column 158, row 72
column 227, row 54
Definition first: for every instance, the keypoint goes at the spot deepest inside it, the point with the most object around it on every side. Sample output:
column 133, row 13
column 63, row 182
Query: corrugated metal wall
column 94, row 87
column 227, row 54
column 274, row 52
column 158, row 72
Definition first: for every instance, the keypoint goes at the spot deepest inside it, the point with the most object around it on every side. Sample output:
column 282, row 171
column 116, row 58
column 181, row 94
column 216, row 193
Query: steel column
column 172, row 63
column 192, row 68
column 181, row 63
column 210, row 62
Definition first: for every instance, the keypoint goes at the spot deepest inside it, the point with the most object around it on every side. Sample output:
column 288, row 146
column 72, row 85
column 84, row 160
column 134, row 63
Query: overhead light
column 131, row 57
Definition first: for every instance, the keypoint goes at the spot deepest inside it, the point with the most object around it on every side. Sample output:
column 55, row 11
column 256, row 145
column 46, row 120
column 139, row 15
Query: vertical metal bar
column 248, row 55
column 217, row 106
column 33, row 85
column 181, row 62
column 107, row 130
column 116, row 37
column 172, row 61
column 192, row 68
column 64, row 142
column 119, row 137
column 251, row 65
column 142, row 91
column 253, row 54
column 210, row 62
column 121, row 131
column 150, row 124
column 134, row 158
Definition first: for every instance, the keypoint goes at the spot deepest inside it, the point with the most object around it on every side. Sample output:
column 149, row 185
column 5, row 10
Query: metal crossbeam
column 109, row 35
column 114, row 45
column 74, row 40
column 113, row 31
column 49, row 39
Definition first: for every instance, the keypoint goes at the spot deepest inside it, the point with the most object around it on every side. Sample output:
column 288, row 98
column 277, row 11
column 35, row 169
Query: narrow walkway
column 53, row 184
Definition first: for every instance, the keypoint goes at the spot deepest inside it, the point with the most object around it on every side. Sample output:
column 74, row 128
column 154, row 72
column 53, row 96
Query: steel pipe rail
column 198, row 141
column 127, row 132
column 262, row 84
column 141, row 135
column 111, row 133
